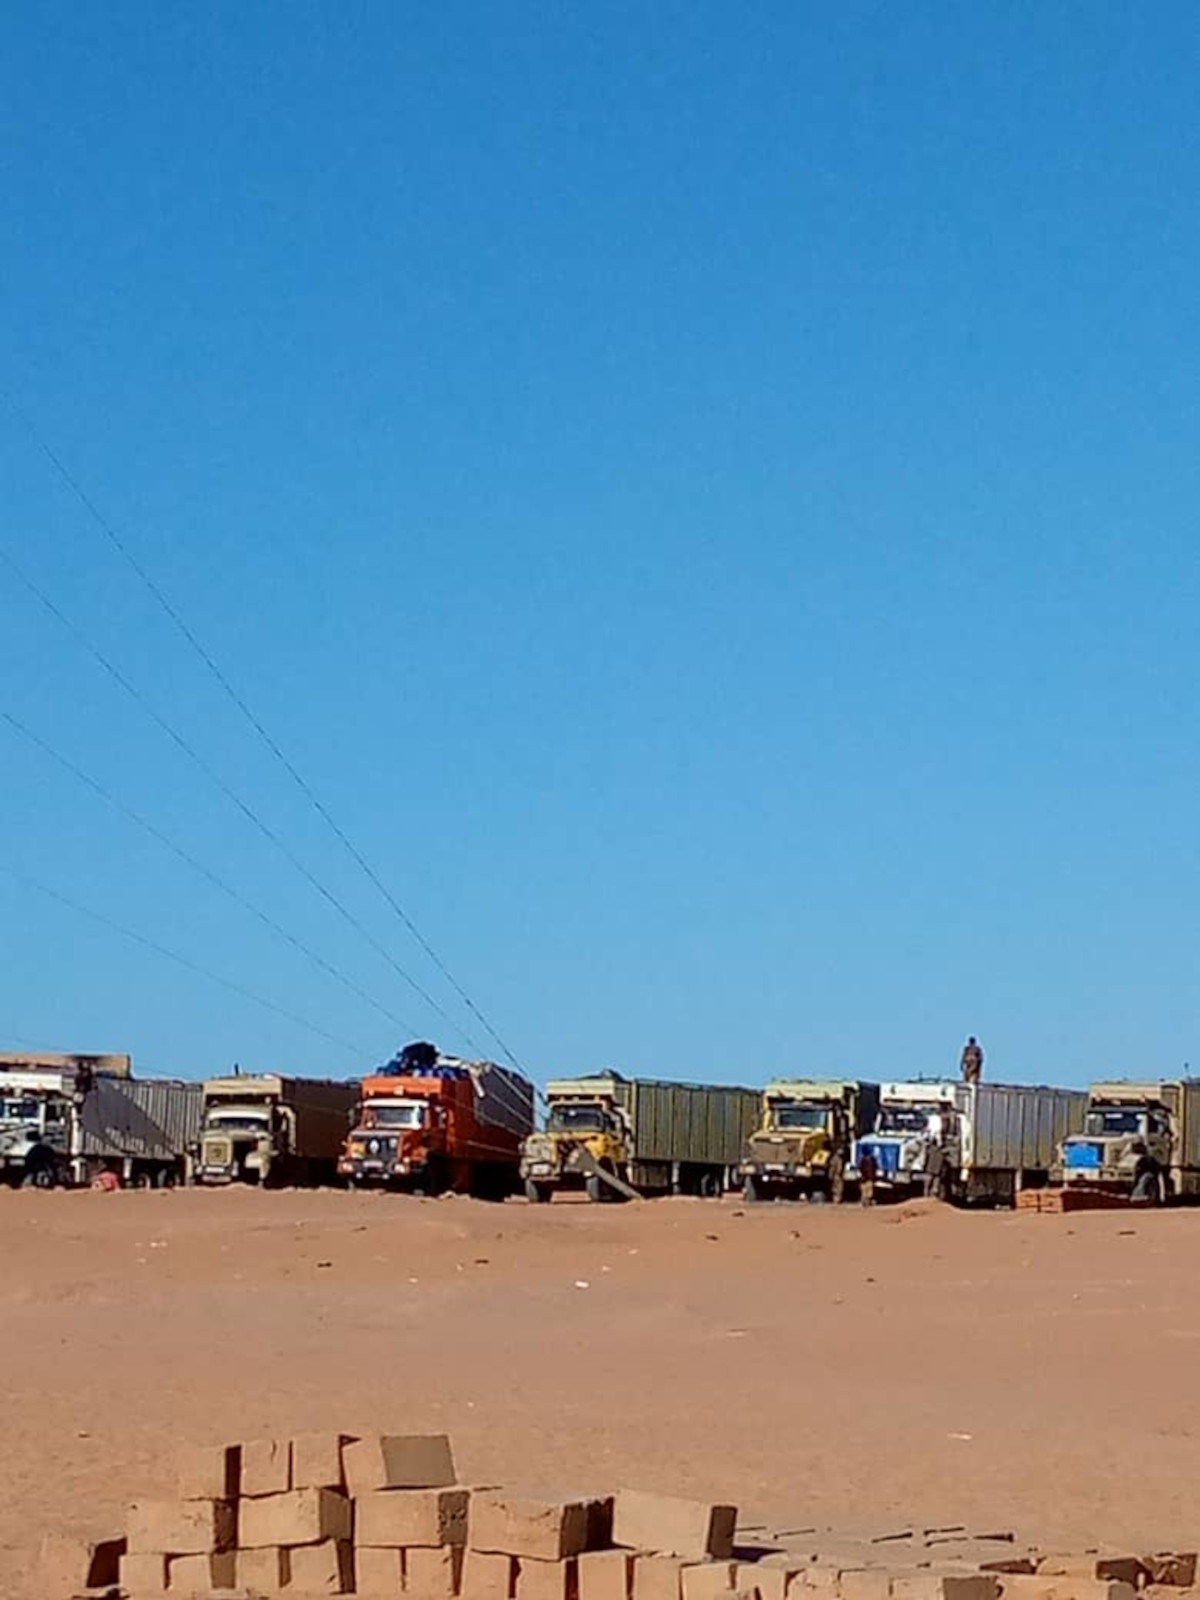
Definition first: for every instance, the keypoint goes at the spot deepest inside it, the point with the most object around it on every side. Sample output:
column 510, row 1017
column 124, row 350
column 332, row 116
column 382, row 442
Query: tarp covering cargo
column 502, row 1098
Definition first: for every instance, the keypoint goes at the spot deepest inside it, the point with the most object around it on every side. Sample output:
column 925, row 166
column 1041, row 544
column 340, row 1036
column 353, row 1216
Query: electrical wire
column 173, row 955
column 189, row 635
column 198, row 866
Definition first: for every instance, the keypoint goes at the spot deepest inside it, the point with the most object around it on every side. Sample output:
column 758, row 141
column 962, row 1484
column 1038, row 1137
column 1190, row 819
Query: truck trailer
column 803, row 1146
column 611, row 1135
column 64, row 1126
column 970, row 1142
column 430, row 1123
column 1140, row 1139
column 271, row 1129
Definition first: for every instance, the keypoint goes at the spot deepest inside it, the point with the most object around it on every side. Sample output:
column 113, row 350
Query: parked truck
column 68, row 1124
column 611, row 1135
column 803, row 1146
column 970, row 1142
column 430, row 1123
column 1140, row 1139
column 271, row 1129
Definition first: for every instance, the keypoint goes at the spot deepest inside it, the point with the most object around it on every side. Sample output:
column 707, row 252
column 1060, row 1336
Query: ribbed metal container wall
column 1017, row 1127
column 153, row 1119
column 503, row 1099
column 691, row 1122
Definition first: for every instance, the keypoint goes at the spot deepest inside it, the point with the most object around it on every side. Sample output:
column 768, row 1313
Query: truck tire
column 597, row 1190
column 538, row 1194
column 753, row 1191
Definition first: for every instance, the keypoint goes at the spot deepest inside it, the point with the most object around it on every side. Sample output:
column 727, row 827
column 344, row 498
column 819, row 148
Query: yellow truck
column 1140, row 1138
column 616, row 1136
column 803, row 1147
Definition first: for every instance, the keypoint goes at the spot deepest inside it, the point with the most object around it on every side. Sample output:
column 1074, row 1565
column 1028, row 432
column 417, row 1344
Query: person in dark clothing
column 868, row 1172
column 1146, row 1190
column 972, row 1061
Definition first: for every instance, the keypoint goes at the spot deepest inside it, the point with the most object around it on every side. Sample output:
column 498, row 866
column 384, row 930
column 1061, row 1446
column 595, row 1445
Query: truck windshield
column 240, row 1121
column 792, row 1116
column 19, row 1110
column 905, row 1119
column 399, row 1114
column 1103, row 1120
column 577, row 1119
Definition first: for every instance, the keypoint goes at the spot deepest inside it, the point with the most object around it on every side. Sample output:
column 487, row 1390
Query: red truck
column 429, row 1123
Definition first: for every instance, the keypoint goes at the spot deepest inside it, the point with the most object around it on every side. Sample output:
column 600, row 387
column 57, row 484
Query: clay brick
column 606, row 1575
column 266, row 1466
column 317, row 1461
column 1110, row 1568
column 325, row 1568
column 301, row 1516
column 1043, row 1586
column 761, row 1582
column 543, row 1530
column 672, row 1527
column 547, row 1580
column 209, row 1472
column 864, row 1583
column 418, row 1461
column 1176, row 1569
column 143, row 1574
column 378, row 1573
column 433, row 1574
column 488, row 1576
column 947, row 1586
column 181, row 1527
column 391, row 1518
column 707, row 1580
column 265, row 1569
column 656, row 1578
column 67, row 1563
column 200, row 1574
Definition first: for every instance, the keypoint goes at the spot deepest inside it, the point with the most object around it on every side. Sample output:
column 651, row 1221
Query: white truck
column 267, row 1128
column 969, row 1142
column 1141, row 1139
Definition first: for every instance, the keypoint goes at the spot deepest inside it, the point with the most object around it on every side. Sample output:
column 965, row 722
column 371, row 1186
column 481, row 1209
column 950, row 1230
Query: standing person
column 972, row 1061
column 868, row 1171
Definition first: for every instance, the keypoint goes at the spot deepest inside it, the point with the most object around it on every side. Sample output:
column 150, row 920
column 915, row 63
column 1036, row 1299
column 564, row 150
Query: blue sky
column 706, row 494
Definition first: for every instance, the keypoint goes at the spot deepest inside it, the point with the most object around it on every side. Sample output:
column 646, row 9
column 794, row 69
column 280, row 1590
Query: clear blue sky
column 707, row 494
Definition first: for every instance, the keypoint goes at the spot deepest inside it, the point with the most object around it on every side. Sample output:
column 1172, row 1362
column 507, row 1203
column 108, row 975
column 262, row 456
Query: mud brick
column 947, row 1586
column 181, row 1527
column 707, row 1580
column 864, row 1583
column 201, row 1574
column 547, row 1580
column 656, row 1578
column 1111, row 1568
column 487, row 1576
column 606, row 1575
column 761, row 1582
column 143, row 1574
column 325, row 1568
column 392, row 1518
column 266, row 1466
column 1044, row 1586
column 1174, row 1569
column 317, row 1461
column 68, row 1563
column 433, row 1574
column 209, row 1472
column 266, row 1569
column 301, row 1516
column 671, row 1527
column 543, row 1530
column 416, row 1461
column 378, row 1573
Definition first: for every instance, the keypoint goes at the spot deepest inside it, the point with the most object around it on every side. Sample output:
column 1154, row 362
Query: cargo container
column 429, row 1123
column 803, row 1144
column 271, row 1129
column 1141, row 1139
column 60, row 1125
column 650, row 1136
column 970, row 1142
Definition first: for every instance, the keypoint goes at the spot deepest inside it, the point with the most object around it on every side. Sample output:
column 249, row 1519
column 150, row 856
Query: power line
column 173, row 955
column 213, row 777
column 198, row 866
column 186, row 631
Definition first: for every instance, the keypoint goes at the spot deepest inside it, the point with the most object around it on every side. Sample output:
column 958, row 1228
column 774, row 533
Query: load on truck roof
column 812, row 1088
column 110, row 1066
column 501, row 1097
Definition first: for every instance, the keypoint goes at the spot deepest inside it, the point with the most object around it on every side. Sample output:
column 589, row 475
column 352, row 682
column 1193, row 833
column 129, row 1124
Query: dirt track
column 869, row 1367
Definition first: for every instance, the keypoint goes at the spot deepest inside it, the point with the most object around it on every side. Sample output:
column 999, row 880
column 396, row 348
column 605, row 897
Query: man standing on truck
column 972, row 1061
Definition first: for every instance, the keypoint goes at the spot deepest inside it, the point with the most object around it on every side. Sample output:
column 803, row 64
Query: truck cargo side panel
column 142, row 1118
column 1189, row 1117
column 704, row 1125
column 1019, row 1128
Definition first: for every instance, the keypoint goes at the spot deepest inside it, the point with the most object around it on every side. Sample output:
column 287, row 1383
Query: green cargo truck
column 614, row 1135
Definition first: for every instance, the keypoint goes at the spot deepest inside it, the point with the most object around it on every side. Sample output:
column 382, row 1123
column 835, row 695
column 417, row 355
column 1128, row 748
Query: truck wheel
column 538, row 1194
column 597, row 1190
column 753, row 1191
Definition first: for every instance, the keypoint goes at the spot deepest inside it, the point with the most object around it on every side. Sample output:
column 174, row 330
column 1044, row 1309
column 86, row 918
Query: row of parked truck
column 432, row 1123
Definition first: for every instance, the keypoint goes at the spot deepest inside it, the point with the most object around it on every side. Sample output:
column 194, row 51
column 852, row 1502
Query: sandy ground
column 873, row 1368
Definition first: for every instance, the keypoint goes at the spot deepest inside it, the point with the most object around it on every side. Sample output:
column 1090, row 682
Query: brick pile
column 384, row 1517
